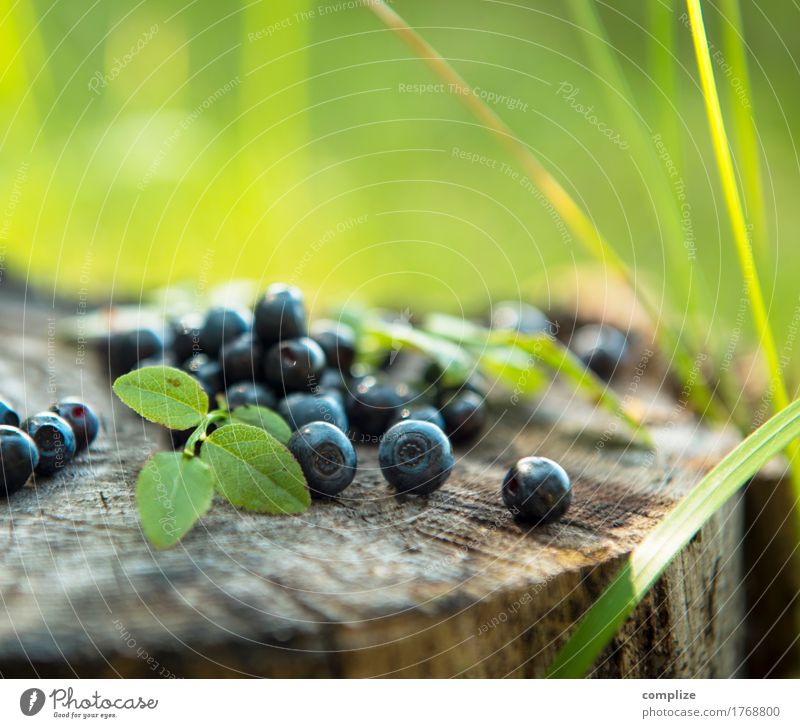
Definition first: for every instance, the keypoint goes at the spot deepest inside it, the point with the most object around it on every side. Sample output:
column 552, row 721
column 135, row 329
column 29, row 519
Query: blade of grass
column 649, row 560
column 661, row 21
column 684, row 285
column 780, row 397
column 579, row 222
column 747, row 156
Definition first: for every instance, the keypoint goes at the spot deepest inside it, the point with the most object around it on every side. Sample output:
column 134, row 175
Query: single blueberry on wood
column 294, row 365
column 537, row 489
column 223, row 324
column 415, row 457
column 8, row 415
column 280, row 314
column 18, row 459
column 54, row 439
column 326, row 456
column 82, row 419
column 300, row 408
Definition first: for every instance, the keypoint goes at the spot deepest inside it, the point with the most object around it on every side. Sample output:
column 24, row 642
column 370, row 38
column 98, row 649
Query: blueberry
column 208, row 372
column 163, row 360
column 415, row 457
column 537, row 489
column 464, row 415
column 337, row 341
column 299, row 409
column 240, row 360
column 602, row 348
column 223, row 324
column 8, row 415
column 520, row 317
column 186, row 337
column 424, row 412
column 326, row 456
column 294, row 364
column 280, row 315
column 332, row 380
column 249, row 393
column 373, row 404
column 127, row 348
column 82, row 420
column 18, row 459
column 54, row 439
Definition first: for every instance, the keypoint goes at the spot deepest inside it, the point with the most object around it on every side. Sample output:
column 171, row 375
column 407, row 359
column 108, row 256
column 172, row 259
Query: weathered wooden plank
column 368, row 585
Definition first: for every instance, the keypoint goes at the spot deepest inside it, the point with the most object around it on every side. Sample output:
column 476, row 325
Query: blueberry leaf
column 164, row 395
column 255, row 471
column 264, row 418
column 172, row 492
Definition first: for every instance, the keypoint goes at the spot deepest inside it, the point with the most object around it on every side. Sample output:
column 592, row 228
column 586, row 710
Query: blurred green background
column 146, row 143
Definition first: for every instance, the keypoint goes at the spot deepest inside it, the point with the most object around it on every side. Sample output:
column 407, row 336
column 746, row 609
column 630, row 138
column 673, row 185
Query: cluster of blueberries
column 272, row 358
column 44, row 442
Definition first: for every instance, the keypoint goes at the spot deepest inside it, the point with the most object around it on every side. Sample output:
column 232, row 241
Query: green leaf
column 164, row 395
column 254, row 471
column 516, row 368
column 648, row 561
column 455, row 363
column 264, row 418
column 172, row 492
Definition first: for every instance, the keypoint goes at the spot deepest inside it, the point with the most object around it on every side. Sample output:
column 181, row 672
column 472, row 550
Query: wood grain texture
column 369, row 585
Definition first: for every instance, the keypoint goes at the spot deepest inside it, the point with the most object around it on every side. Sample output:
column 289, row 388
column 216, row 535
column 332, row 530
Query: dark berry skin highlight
column 18, row 459
column 222, row 325
column 300, row 409
column 240, row 360
column 464, row 415
column 247, row 394
column 337, row 341
column 186, row 337
column 127, row 348
column 84, row 422
column 8, row 415
column 54, row 440
column 602, row 348
column 280, row 314
column 424, row 412
column 415, row 457
column 373, row 404
column 326, row 456
column 294, row 365
column 537, row 489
